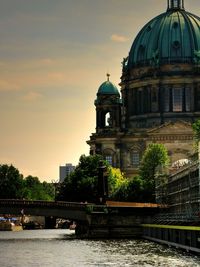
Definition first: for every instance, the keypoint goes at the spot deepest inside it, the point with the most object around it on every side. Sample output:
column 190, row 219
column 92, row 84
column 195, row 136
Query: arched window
column 107, row 119
column 135, row 158
column 109, row 159
column 109, row 156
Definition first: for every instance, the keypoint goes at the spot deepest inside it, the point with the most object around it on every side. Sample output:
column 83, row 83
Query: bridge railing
column 167, row 218
column 39, row 203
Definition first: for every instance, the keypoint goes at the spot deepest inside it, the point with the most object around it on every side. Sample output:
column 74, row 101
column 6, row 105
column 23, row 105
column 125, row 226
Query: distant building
column 64, row 171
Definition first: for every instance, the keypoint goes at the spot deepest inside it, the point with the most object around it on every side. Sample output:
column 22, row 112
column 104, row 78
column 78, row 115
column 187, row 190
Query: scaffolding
column 181, row 192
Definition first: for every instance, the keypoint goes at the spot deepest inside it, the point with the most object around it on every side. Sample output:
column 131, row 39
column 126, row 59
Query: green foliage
column 135, row 189
column 154, row 156
column 121, row 193
column 35, row 190
column 130, row 190
column 88, row 165
column 196, row 130
column 81, row 185
column 115, row 179
column 13, row 186
column 11, row 182
column 49, row 190
column 141, row 188
column 89, row 208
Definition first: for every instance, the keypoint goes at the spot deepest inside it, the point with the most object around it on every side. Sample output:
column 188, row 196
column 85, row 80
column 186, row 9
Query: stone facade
column 126, row 149
column 160, row 94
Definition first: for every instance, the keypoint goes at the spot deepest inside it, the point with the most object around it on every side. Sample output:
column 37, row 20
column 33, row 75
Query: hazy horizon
column 53, row 57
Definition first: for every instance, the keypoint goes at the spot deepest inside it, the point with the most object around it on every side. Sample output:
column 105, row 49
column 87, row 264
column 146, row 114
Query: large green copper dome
column 172, row 37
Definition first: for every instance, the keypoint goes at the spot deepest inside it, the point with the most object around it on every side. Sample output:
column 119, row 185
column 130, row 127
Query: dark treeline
column 14, row 186
column 82, row 184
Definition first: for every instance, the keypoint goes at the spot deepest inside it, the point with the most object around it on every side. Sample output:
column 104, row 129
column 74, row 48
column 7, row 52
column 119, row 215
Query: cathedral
column 160, row 93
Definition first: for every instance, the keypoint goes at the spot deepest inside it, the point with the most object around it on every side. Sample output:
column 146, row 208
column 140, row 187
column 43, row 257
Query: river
column 59, row 248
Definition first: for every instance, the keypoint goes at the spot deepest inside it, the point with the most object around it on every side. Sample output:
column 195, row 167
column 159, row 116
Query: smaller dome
column 107, row 88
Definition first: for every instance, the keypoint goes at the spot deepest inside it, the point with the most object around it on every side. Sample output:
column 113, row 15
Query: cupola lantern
column 175, row 4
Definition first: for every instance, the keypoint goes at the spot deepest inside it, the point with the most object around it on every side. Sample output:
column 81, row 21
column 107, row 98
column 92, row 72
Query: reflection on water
column 59, row 248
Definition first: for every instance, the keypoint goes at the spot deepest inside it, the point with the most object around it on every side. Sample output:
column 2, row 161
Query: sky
column 54, row 55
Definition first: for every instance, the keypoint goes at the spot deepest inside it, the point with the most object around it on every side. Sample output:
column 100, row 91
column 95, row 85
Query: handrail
column 40, row 203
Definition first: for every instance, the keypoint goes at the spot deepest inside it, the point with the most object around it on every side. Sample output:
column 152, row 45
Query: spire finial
column 175, row 4
column 108, row 77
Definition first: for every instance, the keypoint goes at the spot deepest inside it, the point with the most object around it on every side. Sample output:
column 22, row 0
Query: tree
column 135, row 189
column 11, row 182
column 13, row 185
column 115, row 179
column 130, row 190
column 122, row 192
column 154, row 156
column 49, row 190
column 35, row 190
column 196, row 129
column 81, row 185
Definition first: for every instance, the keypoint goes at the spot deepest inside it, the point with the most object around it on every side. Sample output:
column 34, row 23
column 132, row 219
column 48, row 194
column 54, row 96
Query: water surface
column 59, row 248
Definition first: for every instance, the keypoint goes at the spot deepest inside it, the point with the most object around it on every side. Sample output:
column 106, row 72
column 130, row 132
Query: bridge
column 70, row 210
column 114, row 219
column 66, row 210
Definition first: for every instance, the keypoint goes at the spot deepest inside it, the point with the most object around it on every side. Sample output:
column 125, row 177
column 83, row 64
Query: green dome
column 172, row 37
column 107, row 88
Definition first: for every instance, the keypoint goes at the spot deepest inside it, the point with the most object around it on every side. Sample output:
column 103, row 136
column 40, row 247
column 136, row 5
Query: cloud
column 32, row 96
column 119, row 38
column 57, row 76
column 46, row 61
column 6, row 86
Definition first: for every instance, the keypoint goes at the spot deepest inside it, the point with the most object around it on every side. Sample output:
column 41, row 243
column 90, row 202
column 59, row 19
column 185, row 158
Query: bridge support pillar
column 82, row 229
column 50, row 222
column 102, row 225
